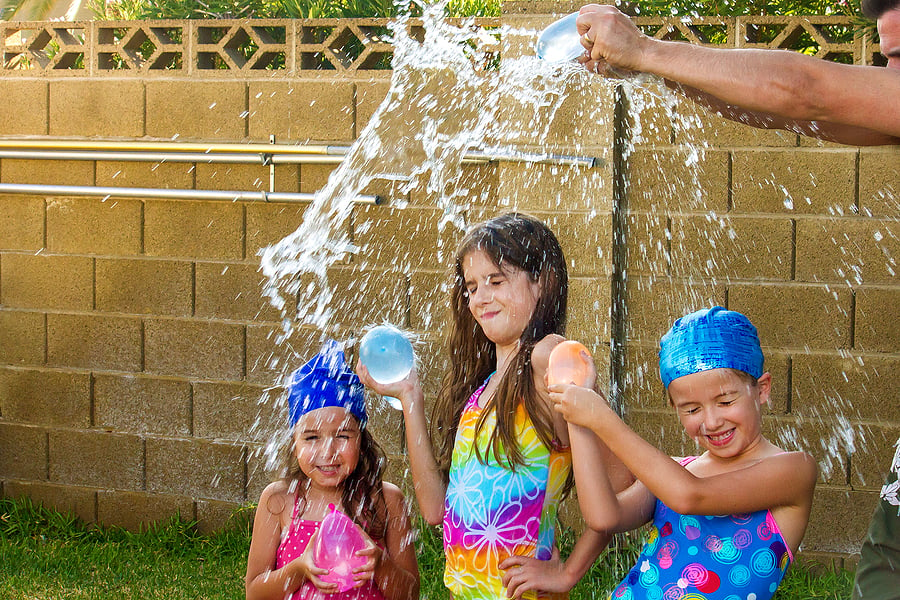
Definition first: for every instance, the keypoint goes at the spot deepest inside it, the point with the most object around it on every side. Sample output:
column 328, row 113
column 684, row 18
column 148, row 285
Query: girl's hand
column 522, row 574
column 373, row 556
column 404, row 390
column 578, row 405
column 306, row 567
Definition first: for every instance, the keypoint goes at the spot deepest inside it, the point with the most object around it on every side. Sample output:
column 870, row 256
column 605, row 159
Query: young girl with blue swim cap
column 334, row 461
column 725, row 524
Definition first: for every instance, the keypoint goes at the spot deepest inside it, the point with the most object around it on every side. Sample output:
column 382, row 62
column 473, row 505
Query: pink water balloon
column 569, row 363
column 338, row 542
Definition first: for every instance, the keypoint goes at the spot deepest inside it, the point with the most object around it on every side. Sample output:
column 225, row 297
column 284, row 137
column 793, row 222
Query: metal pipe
column 169, row 194
column 242, row 153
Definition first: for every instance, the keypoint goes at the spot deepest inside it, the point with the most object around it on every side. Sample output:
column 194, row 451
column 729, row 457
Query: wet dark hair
column 518, row 241
column 875, row 8
column 362, row 495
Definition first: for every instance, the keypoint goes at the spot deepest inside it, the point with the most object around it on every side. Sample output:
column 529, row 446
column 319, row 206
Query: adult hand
column 578, row 405
column 522, row 574
column 614, row 45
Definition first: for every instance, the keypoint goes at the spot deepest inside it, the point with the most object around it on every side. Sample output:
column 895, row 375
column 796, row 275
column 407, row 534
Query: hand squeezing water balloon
column 388, row 356
column 338, row 541
column 560, row 41
column 570, row 363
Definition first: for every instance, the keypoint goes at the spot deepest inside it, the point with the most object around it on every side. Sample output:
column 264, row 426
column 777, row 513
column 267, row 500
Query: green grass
column 48, row 555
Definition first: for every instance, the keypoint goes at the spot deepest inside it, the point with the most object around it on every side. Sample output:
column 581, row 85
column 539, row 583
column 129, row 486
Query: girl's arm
column 428, row 481
column 782, row 480
column 263, row 581
column 397, row 573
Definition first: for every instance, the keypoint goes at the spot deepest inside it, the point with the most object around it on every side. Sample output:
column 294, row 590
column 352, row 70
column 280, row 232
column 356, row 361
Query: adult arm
column 428, row 481
column 850, row 103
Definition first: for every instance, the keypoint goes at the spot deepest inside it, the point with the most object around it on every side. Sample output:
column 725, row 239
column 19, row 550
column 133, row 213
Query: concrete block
column 270, row 358
column 795, row 315
column 429, row 300
column 21, row 222
column 145, row 175
column 400, row 240
column 196, row 110
column 259, row 475
column 693, row 124
column 22, row 337
column 878, row 319
column 313, row 177
column 246, row 178
column 194, row 229
column 29, row 115
column 47, row 172
column 732, row 247
column 213, row 516
column 824, row 436
column 201, row 349
column 45, row 397
column 533, row 187
column 654, row 304
column 302, row 110
column 94, row 342
column 650, row 113
column 46, row 281
column 839, row 519
column 268, row 223
column 643, row 389
column 794, row 181
column 359, row 296
column 855, row 387
column 476, row 186
column 588, row 314
column 196, row 468
column 663, row 430
column 143, row 405
column 23, row 452
column 677, row 180
column 369, row 96
column 97, row 459
column 136, row 511
column 94, row 226
column 141, row 286
column 647, row 244
column 847, row 250
column 97, row 107
column 228, row 411
column 67, row 499
column 232, row 291
column 879, row 172
column 870, row 460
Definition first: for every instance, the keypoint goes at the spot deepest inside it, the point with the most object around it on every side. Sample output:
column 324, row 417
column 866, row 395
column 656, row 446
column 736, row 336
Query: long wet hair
column 519, row 241
column 362, row 495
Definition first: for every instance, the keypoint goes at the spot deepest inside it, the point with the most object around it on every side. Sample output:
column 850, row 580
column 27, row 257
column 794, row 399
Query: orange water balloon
column 569, row 363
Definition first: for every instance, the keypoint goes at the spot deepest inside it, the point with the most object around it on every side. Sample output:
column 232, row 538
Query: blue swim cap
column 326, row 381
column 711, row 338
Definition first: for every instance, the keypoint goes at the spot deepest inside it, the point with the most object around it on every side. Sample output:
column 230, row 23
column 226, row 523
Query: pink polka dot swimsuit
column 292, row 546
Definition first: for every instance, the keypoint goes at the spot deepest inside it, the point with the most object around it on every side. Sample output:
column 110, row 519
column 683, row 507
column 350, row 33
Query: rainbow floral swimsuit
column 492, row 512
column 698, row 557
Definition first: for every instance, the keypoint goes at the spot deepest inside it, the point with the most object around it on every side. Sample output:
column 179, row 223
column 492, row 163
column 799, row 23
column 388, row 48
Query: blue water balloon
column 388, row 356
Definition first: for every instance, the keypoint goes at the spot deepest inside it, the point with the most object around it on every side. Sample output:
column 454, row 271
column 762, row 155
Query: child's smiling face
column 721, row 410
column 326, row 444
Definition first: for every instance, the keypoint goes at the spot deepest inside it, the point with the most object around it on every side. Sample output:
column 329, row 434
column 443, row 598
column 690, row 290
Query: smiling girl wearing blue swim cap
column 725, row 524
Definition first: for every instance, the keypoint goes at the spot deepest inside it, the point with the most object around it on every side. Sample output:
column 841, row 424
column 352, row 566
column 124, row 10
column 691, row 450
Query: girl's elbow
column 433, row 517
column 606, row 521
column 686, row 503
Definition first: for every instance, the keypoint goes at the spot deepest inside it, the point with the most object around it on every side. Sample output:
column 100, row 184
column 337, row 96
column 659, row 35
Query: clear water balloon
column 560, row 41
column 569, row 363
column 388, row 356
column 336, row 546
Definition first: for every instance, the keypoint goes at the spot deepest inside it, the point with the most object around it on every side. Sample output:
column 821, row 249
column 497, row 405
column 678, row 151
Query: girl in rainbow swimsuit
column 498, row 461
column 726, row 524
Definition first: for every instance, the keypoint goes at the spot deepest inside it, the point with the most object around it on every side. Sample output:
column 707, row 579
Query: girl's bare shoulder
column 277, row 496
column 540, row 354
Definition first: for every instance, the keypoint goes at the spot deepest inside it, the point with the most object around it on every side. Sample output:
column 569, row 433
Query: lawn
column 48, row 555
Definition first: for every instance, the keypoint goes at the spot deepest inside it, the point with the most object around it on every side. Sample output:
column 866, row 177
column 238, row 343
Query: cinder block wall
column 135, row 345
